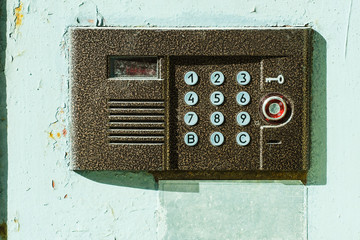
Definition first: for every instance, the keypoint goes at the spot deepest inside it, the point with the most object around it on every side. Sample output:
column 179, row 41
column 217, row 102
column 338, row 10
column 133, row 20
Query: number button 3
column 243, row 78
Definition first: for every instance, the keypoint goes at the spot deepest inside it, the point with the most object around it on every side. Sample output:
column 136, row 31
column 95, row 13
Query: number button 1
column 191, row 98
column 243, row 78
column 217, row 78
column 243, row 98
column 191, row 118
column 243, row 118
column 217, row 118
column 191, row 78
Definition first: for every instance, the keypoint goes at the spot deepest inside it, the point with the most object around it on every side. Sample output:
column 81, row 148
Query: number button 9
column 243, row 118
column 191, row 78
column 243, row 98
column 217, row 118
column 191, row 98
column 191, row 118
column 243, row 78
column 217, row 78
column 217, row 98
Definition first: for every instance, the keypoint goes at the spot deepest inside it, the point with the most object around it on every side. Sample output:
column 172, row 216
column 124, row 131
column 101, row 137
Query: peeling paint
column 19, row 15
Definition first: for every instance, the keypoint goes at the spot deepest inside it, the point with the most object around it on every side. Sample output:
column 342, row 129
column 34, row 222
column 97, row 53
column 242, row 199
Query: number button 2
column 191, row 118
column 243, row 78
column 243, row 98
column 243, row 118
column 191, row 78
column 217, row 78
column 191, row 98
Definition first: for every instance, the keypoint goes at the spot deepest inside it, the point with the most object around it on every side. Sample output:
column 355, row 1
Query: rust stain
column 58, row 135
column 3, row 230
column 51, row 135
column 65, row 196
column 90, row 21
column 53, row 184
column 64, row 132
column 18, row 224
column 18, row 15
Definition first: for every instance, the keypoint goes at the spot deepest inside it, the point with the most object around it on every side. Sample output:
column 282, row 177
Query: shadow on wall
column 3, row 126
column 318, row 128
column 318, row 157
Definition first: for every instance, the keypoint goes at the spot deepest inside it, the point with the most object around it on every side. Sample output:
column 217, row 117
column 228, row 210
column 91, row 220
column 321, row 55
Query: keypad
column 216, row 101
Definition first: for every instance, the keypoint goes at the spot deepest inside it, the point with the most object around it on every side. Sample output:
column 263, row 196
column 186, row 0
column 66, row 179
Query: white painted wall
column 128, row 206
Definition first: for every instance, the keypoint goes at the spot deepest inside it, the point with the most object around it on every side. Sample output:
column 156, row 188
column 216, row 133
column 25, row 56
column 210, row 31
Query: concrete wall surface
column 43, row 199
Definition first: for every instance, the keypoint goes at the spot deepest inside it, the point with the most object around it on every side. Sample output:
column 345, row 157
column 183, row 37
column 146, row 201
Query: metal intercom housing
column 149, row 99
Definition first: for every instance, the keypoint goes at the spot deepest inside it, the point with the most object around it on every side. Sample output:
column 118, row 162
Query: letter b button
column 191, row 139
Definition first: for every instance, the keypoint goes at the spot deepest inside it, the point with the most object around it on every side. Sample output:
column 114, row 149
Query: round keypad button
column 243, row 118
column 217, row 118
column 191, row 78
column 191, row 118
column 243, row 78
column 217, row 139
column 191, row 139
column 243, row 139
column 217, row 78
column 191, row 98
column 243, row 98
column 217, row 98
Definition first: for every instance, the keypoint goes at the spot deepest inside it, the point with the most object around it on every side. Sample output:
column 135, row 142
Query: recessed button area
column 243, row 138
column 217, row 98
column 217, row 118
column 191, row 139
column 191, row 118
column 243, row 118
column 191, row 98
column 217, row 139
column 243, row 98
column 217, row 78
column 243, row 78
column 191, row 78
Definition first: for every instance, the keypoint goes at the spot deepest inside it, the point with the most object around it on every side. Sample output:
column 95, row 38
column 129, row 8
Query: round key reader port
column 275, row 108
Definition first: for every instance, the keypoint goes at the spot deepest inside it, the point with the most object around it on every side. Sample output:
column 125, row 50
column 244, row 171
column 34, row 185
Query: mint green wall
column 47, row 201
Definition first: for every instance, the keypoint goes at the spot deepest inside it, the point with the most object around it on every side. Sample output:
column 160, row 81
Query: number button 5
column 217, row 98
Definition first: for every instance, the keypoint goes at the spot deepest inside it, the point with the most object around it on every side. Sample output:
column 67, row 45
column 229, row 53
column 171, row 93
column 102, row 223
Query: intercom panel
column 190, row 100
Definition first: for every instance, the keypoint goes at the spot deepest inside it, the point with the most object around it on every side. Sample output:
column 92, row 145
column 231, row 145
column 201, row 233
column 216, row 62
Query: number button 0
column 243, row 78
column 191, row 118
column 217, row 118
column 217, row 139
column 191, row 139
column 243, row 98
column 217, row 78
column 243, row 138
column 191, row 78
column 191, row 98
column 243, row 118
column 217, row 98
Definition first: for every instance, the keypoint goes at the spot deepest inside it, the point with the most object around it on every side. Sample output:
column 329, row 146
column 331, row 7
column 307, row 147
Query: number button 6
column 243, row 98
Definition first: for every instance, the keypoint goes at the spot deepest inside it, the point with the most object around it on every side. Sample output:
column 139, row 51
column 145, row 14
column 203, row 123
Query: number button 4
column 191, row 98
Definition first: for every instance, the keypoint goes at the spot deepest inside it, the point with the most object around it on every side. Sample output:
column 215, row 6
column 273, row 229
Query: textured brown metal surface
column 120, row 124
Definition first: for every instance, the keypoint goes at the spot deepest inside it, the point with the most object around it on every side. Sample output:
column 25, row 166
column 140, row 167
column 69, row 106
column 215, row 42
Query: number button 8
column 191, row 78
column 217, row 78
column 243, row 118
column 217, row 118
column 243, row 78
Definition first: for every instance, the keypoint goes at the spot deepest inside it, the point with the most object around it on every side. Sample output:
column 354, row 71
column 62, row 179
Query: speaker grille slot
column 136, row 121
